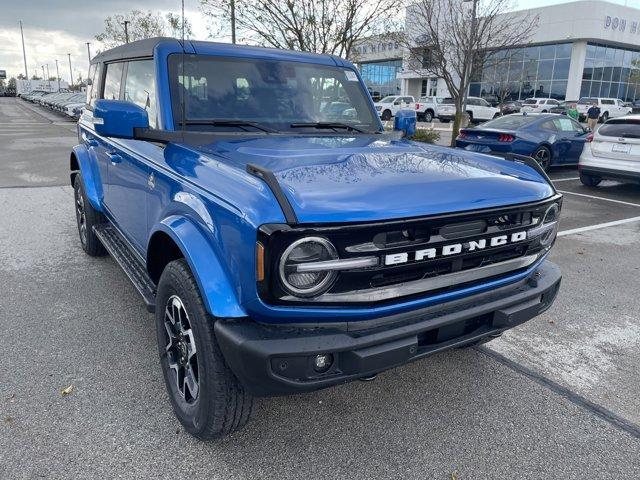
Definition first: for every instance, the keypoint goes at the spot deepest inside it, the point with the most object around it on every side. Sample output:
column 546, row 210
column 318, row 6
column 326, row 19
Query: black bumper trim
column 278, row 360
column 610, row 174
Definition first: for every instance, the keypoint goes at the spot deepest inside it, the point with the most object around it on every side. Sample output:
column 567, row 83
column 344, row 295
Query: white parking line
column 598, row 226
column 601, row 198
column 565, row 179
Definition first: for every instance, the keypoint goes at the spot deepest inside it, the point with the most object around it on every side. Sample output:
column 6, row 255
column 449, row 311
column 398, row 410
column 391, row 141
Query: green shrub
column 426, row 135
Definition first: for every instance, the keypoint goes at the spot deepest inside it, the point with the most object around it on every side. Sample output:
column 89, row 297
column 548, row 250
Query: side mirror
column 117, row 118
column 405, row 122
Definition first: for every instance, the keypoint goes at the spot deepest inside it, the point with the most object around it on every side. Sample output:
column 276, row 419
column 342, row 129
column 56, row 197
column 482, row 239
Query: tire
column 386, row 115
column 498, row 114
column 589, row 180
column 86, row 218
column 604, row 117
column 444, row 121
column 470, row 117
column 212, row 403
column 428, row 116
column 542, row 155
column 543, row 111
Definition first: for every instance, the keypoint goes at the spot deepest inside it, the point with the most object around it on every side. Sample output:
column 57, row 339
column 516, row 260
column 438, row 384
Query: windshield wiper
column 333, row 125
column 230, row 123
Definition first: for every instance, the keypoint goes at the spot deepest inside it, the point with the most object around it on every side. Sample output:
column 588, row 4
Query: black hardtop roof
column 145, row 48
column 137, row 49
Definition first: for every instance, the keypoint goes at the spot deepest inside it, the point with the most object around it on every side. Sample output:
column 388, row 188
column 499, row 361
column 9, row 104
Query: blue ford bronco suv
column 285, row 242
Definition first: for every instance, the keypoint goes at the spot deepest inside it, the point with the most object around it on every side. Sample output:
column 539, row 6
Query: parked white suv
column 612, row 151
column 538, row 105
column 427, row 108
column 389, row 106
column 609, row 107
column 478, row 109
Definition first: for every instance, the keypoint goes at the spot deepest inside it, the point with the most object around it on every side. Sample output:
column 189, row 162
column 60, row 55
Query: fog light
column 322, row 362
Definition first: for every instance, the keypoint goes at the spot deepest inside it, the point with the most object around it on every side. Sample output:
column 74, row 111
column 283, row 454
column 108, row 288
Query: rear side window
column 587, row 101
column 621, row 128
column 140, row 88
column 608, row 102
column 530, row 101
column 112, row 81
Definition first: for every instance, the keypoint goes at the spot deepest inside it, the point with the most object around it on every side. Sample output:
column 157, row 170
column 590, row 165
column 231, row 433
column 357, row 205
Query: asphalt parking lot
column 558, row 397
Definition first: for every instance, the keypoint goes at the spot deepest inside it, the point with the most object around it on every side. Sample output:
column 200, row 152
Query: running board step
column 119, row 249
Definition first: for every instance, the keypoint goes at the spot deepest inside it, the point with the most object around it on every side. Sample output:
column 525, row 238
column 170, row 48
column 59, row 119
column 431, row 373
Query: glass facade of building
column 611, row 72
column 519, row 73
column 381, row 77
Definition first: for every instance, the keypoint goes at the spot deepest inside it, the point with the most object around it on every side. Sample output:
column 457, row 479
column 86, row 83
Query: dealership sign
column 620, row 24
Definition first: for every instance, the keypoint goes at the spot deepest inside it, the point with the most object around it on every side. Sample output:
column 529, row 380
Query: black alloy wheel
column 543, row 156
column 386, row 115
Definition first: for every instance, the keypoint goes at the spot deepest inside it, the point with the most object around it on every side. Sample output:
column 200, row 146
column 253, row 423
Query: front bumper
column 272, row 360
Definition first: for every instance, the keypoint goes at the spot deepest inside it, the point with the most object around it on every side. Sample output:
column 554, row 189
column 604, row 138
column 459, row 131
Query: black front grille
column 408, row 236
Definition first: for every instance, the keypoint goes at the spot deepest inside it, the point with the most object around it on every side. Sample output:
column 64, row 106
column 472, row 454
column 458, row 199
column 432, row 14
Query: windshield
column 510, row 122
column 274, row 95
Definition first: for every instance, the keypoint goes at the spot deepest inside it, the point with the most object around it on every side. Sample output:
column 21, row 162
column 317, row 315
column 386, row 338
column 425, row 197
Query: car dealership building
column 587, row 48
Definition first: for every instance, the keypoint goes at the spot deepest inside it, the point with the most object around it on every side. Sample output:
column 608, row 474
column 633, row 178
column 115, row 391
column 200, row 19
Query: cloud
column 53, row 28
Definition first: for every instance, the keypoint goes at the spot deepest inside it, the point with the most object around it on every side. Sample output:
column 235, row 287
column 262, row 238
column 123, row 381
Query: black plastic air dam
column 277, row 360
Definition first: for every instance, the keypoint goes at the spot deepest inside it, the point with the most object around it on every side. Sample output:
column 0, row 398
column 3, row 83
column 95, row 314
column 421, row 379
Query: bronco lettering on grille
column 454, row 248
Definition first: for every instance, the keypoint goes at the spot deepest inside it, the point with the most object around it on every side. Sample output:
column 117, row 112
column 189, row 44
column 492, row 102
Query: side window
column 140, row 88
column 408, row 100
column 483, row 103
column 112, row 81
column 563, row 124
column 549, row 125
column 607, row 102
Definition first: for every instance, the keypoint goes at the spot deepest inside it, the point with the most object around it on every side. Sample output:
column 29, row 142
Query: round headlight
column 307, row 250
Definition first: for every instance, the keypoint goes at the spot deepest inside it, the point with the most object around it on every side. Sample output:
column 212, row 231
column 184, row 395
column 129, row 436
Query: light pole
column 126, row 30
column 42, row 72
column 70, row 71
column 58, row 74
column 24, row 55
column 89, row 57
column 232, row 6
column 467, row 72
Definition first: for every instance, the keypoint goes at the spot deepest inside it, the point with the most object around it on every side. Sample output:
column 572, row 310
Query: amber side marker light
column 259, row 262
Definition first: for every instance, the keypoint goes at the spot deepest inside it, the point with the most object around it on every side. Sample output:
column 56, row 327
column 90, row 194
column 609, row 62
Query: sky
column 53, row 28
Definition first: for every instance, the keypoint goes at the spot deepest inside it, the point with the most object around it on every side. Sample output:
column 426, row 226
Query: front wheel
column 604, row 117
column 206, row 397
column 589, row 181
column 386, row 115
column 428, row 116
column 543, row 156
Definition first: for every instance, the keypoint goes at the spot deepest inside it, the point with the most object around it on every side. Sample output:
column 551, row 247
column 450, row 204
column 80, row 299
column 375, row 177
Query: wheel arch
column 80, row 161
column 178, row 237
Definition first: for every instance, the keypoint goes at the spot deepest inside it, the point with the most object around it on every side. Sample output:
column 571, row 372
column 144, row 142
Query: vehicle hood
column 376, row 177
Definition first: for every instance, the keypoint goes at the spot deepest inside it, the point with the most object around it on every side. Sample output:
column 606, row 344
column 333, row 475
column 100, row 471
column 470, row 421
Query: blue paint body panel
column 202, row 197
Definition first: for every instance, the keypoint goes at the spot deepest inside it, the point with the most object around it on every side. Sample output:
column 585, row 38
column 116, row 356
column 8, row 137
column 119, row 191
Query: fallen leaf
column 551, row 321
column 580, row 252
column 8, row 420
column 454, row 475
column 68, row 390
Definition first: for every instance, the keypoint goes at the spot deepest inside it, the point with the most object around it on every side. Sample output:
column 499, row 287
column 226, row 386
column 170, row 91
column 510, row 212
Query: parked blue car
column 285, row 246
column 551, row 139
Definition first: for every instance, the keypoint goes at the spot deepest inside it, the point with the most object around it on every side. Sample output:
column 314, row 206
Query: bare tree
column 449, row 38
column 321, row 26
column 141, row 25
